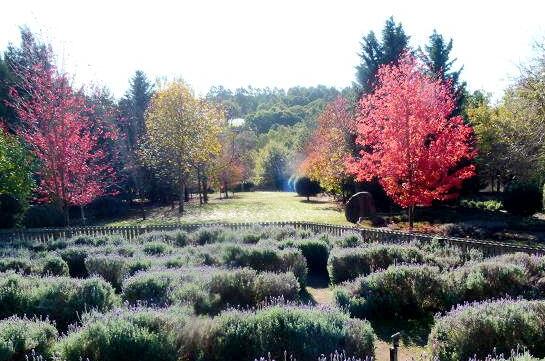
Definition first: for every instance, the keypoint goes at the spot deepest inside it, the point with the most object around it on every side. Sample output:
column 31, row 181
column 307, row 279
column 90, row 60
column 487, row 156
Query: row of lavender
column 216, row 293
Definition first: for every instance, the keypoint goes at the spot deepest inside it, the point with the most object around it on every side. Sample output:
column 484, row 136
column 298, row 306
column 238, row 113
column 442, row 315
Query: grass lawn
column 245, row 207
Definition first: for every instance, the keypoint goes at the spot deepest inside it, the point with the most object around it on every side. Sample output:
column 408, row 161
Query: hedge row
column 209, row 290
column 50, row 265
column 405, row 291
column 60, row 299
column 233, row 335
column 496, row 327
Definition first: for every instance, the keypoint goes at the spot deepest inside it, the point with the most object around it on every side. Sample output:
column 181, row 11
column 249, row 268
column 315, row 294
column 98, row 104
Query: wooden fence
column 382, row 235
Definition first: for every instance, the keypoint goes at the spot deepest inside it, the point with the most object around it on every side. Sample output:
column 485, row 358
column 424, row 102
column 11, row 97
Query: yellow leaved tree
column 182, row 131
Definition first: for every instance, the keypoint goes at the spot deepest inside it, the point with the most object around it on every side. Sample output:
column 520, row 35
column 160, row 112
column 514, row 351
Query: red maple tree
column 56, row 124
column 408, row 139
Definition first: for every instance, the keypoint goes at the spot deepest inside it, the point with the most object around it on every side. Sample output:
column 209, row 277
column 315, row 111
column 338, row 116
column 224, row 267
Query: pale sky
column 278, row 43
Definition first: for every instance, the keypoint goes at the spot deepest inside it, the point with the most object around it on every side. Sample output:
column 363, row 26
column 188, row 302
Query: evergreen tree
column 375, row 53
column 437, row 57
column 134, row 106
column 27, row 55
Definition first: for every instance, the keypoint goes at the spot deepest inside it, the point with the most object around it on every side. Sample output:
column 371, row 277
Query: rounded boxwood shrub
column 481, row 329
column 522, row 199
column 22, row 337
column 306, row 187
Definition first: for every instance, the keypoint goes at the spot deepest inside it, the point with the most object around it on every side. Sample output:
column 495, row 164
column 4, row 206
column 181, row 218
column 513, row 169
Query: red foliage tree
column 57, row 125
column 408, row 139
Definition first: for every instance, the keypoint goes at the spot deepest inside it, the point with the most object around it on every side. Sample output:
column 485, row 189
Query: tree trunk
column 411, row 217
column 204, row 189
column 82, row 212
column 181, row 198
column 66, row 211
column 226, row 190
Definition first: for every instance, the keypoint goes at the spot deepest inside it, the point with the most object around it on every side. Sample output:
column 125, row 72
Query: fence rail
column 43, row 235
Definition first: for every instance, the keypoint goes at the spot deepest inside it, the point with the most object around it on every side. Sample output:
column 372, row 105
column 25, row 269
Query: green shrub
column 349, row 240
column 178, row 238
column 11, row 210
column 490, row 327
column 107, row 207
column 269, row 286
column 522, row 199
column 209, row 290
column 123, row 336
column 20, row 337
column 110, row 267
column 59, row 298
column 207, row 235
column 306, row 187
column 20, row 265
column 43, row 215
column 154, row 288
column 397, row 291
column 54, row 266
column 316, row 253
column 156, row 249
column 405, row 291
column 490, row 279
column 75, row 259
column 96, row 241
column 266, row 259
column 349, row 263
column 306, row 332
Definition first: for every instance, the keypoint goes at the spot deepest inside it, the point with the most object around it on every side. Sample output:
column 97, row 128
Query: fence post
column 395, row 345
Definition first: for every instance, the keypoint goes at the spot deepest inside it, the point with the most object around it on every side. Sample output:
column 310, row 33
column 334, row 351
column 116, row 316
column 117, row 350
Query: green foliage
column 75, row 259
column 123, row 336
column 54, row 266
column 315, row 251
column 271, row 168
column 16, row 167
column 22, row 337
column 349, row 263
column 43, row 216
column 508, row 325
column 209, row 290
column 522, row 199
column 405, row 291
column 305, row 187
column 267, row 259
column 59, row 298
column 374, row 53
column 306, row 332
column 490, row 205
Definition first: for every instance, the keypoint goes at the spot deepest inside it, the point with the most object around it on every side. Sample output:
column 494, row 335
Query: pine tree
column 437, row 58
column 374, row 53
column 134, row 106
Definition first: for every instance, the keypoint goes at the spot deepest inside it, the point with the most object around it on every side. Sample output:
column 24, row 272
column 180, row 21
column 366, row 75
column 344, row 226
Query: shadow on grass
column 413, row 332
column 314, row 201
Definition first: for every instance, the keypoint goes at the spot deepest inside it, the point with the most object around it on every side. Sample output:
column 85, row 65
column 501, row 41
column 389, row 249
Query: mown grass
column 245, row 207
